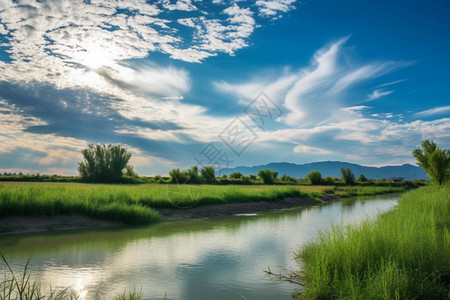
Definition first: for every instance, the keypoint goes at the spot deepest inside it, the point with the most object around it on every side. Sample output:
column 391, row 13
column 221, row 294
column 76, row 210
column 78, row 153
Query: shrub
column 314, row 177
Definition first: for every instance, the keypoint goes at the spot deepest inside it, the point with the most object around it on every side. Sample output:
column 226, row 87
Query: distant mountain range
column 333, row 168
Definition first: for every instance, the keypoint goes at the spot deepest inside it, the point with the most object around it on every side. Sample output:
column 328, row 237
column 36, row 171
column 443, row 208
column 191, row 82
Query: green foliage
column 208, row 174
column 288, row 179
column 433, row 160
column 347, row 176
column 328, row 180
column 129, row 171
column 103, row 163
column 314, row 177
column 235, row 175
column 178, row 176
column 362, row 178
column 267, row 176
column 403, row 254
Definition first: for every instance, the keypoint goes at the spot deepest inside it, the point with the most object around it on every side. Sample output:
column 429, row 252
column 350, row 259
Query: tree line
column 110, row 164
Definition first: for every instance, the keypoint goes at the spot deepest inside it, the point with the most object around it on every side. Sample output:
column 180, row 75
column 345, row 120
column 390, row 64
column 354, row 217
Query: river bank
column 403, row 254
column 33, row 207
column 22, row 224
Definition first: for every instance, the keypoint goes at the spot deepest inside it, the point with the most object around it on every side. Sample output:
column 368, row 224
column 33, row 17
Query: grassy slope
column 403, row 254
column 132, row 204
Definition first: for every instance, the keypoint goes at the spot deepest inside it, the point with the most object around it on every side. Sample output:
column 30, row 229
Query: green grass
column 23, row 287
column 131, row 204
column 403, row 254
column 136, row 204
column 352, row 191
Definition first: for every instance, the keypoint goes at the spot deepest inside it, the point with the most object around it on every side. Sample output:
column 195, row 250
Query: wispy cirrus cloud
column 434, row 111
column 378, row 93
column 315, row 93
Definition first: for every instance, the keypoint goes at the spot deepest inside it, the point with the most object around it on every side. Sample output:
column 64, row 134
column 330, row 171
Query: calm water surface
column 191, row 259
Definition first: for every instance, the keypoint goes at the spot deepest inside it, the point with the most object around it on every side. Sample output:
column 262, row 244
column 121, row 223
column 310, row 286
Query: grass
column 130, row 204
column 352, row 191
column 136, row 204
column 23, row 287
column 403, row 254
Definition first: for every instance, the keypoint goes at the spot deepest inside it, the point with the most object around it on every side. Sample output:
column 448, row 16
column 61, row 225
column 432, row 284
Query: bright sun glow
column 96, row 58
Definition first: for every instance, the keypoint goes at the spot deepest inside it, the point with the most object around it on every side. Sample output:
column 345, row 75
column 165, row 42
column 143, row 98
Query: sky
column 222, row 82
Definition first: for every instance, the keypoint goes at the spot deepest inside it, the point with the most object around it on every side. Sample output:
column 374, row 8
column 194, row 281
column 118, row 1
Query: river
column 221, row 258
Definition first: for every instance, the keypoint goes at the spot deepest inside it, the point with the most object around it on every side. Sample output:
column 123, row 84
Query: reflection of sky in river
column 196, row 259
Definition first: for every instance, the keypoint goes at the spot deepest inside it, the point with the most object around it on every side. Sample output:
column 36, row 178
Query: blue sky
column 186, row 82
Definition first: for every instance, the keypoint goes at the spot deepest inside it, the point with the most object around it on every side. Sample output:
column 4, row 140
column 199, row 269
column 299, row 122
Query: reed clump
column 403, row 254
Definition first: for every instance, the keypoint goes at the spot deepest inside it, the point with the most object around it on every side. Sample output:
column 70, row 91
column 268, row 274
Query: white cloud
column 376, row 94
column 185, row 5
column 310, row 150
column 363, row 73
column 391, row 83
column 434, row 111
column 273, row 8
column 315, row 94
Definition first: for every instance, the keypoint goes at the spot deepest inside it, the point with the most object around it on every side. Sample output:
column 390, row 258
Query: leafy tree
column 252, row 177
column 208, row 174
column 178, row 176
column 103, row 163
column 185, row 176
column 193, row 176
column 130, row 172
column 314, row 177
column 235, row 175
column 287, row 178
column 328, row 180
column 267, row 176
column 362, row 178
column 347, row 176
column 433, row 160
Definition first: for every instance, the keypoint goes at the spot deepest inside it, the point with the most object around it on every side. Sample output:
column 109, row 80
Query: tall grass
column 131, row 204
column 352, row 191
column 403, row 254
column 23, row 287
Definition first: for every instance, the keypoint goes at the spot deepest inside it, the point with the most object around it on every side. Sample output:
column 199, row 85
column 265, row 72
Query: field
column 136, row 204
column 403, row 254
column 131, row 204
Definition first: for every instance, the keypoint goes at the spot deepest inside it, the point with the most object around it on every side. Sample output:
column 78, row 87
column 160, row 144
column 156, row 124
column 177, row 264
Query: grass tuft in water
column 403, row 254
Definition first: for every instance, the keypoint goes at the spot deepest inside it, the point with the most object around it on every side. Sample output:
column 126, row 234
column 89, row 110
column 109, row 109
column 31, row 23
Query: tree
column 178, row 176
column 103, row 163
column 235, row 175
column 315, row 177
column 347, row 176
column 433, row 160
column 130, row 172
column 193, row 176
column 267, row 176
column 362, row 178
column 208, row 174
column 287, row 178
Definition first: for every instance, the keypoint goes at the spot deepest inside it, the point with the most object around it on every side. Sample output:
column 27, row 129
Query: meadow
column 130, row 204
column 136, row 204
column 403, row 254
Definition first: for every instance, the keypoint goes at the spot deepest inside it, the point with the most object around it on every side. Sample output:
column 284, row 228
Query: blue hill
column 333, row 168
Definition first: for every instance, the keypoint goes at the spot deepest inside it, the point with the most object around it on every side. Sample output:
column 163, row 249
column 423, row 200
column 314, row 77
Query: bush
column 314, row 177
column 267, row 176
column 347, row 176
column 104, row 163
column 208, row 174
